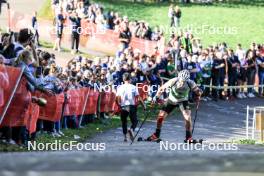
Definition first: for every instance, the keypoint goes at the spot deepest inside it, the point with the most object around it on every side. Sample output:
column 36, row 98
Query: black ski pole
column 196, row 112
column 146, row 116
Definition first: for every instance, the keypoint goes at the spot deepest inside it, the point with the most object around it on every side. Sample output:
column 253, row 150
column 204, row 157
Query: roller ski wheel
column 193, row 141
column 141, row 139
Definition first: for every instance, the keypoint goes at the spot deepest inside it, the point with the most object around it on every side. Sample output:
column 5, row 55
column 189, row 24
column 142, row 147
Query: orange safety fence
column 107, row 102
column 73, row 103
column 53, row 109
column 22, row 112
column 16, row 114
column 9, row 77
column 92, row 102
column 33, row 114
column 83, row 94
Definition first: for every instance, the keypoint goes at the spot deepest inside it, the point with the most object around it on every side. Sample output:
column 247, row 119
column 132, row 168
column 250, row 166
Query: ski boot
column 153, row 138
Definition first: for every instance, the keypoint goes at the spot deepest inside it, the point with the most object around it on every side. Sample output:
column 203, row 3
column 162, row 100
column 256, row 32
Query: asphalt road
column 217, row 123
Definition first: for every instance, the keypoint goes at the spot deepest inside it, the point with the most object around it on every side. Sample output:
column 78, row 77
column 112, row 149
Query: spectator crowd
column 215, row 65
column 77, row 10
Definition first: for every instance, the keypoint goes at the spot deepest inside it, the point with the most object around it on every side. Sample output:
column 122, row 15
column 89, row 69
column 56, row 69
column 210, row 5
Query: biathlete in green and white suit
column 179, row 89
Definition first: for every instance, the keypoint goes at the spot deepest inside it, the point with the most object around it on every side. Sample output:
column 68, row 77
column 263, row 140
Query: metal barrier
column 255, row 122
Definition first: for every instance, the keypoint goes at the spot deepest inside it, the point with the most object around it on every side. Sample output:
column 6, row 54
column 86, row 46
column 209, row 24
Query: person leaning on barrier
column 125, row 98
column 23, row 62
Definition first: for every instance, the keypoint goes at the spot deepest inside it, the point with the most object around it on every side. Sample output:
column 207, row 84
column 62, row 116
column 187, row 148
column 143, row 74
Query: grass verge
column 46, row 12
column 249, row 142
column 232, row 22
column 84, row 133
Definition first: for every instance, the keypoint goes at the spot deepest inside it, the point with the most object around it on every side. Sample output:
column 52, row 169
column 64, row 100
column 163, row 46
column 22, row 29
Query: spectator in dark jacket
column 218, row 75
column 125, row 35
column 251, row 71
column 76, row 29
column 233, row 65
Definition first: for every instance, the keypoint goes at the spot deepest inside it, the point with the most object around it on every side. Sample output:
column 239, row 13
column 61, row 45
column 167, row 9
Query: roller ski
column 152, row 138
column 193, row 141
